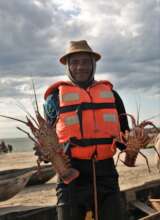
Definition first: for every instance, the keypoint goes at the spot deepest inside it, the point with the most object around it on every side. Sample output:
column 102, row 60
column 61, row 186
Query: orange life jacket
column 88, row 119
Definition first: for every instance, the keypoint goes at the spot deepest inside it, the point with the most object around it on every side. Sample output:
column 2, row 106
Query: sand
column 44, row 195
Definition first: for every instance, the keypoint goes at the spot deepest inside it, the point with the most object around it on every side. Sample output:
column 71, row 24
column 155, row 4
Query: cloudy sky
column 35, row 33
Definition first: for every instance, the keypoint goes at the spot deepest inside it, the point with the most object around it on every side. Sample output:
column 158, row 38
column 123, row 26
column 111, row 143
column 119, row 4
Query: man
column 89, row 118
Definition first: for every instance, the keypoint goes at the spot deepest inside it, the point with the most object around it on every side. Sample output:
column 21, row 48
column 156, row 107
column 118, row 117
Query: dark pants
column 76, row 198
column 74, row 204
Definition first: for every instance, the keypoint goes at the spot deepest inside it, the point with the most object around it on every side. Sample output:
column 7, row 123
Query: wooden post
column 95, row 189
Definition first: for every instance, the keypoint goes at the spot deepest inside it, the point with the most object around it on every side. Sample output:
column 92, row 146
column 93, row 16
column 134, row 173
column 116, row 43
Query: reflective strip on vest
column 71, row 120
column 106, row 94
column 70, row 97
column 109, row 117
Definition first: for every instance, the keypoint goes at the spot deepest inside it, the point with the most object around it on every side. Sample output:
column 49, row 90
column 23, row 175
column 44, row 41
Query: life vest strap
column 86, row 106
column 87, row 142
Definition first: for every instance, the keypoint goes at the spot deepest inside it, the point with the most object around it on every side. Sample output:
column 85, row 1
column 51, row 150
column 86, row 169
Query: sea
column 26, row 145
column 19, row 144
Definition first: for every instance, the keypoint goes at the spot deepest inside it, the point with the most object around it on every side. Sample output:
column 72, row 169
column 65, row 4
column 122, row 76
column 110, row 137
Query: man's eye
column 73, row 62
column 86, row 62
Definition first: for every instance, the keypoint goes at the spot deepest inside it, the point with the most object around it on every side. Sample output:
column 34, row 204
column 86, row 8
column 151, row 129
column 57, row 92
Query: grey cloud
column 33, row 38
column 142, row 82
column 136, row 58
column 15, row 88
column 22, row 87
column 28, row 38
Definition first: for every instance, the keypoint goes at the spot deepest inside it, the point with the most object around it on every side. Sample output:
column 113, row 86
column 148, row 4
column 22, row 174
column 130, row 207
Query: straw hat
column 76, row 47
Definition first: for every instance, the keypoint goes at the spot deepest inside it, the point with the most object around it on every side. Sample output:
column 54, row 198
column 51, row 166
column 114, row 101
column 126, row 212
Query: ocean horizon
column 23, row 144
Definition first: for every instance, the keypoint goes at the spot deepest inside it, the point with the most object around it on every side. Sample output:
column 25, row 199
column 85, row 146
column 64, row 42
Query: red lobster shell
column 45, row 139
column 136, row 139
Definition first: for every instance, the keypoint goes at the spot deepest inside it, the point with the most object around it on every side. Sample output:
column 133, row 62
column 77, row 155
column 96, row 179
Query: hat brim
column 63, row 59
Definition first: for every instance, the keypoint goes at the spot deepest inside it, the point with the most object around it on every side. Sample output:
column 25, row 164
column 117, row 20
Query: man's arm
column 121, row 110
column 122, row 118
column 51, row 107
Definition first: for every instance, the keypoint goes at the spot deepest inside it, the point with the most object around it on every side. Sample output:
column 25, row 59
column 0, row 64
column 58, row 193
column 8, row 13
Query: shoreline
column 45, row 195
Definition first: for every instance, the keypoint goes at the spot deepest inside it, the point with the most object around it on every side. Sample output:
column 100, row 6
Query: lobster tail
column 130, row 160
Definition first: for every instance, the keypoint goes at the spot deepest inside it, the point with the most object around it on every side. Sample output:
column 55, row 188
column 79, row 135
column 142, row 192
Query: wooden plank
column 155, row 203
column 142, row 185
column 130, row 196
column 155, row 216
column 46, row 213
column 143, row 207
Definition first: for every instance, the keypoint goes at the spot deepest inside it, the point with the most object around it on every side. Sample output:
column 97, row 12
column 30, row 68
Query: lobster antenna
column 138, row 107
column 132, row 118
column 27, row 134
column 15, row 119
column 137, row 113
column 35, row 96
column 152, row 117
column 23, row 108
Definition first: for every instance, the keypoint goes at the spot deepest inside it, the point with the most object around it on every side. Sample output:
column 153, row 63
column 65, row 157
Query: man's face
column 80, row 66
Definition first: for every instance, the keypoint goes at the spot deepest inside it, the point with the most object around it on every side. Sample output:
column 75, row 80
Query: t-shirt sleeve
column 51, row 108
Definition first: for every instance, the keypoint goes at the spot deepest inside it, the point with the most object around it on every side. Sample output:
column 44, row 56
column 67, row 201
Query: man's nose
column 81, row 67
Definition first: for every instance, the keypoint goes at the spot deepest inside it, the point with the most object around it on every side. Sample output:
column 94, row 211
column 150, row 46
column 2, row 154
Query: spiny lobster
column 46, row 140
column 135, row 140
column 157, row 147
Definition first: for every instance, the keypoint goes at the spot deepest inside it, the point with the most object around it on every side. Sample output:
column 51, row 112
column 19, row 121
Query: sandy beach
column 44, row 195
